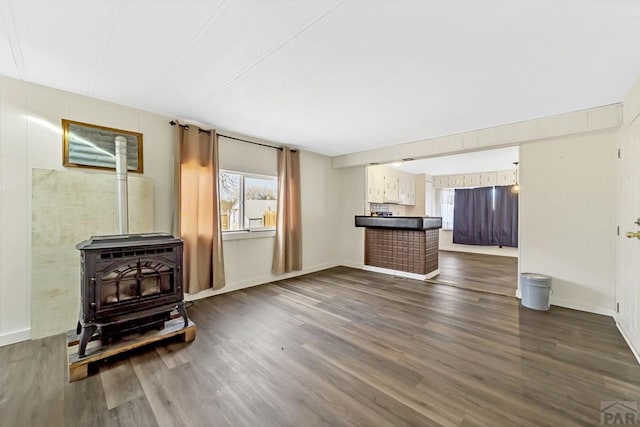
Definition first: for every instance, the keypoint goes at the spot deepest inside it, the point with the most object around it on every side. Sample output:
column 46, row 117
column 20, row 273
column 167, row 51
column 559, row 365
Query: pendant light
column 515, row 189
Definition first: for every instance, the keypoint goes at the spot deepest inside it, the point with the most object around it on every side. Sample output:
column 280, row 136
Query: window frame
column 241, row 196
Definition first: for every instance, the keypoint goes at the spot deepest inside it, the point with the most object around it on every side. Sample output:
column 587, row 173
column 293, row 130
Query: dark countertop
column 400, row 222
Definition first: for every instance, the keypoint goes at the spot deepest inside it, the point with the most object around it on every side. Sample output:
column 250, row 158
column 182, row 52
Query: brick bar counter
column 403, row 246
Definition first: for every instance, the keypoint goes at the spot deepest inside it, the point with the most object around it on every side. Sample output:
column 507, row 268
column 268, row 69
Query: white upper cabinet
column 375, row 185
column 387, row 185
column 403, row 188
column 456, row 181
column 441, row 181
column 391, row 184
column 488, row 179
column 408, row 189
column 412, row 190
column 472, row 180
column 506, row 177
column 484, row 179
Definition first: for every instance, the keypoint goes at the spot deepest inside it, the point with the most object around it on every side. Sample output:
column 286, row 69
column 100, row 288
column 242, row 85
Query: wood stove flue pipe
column 121, row 178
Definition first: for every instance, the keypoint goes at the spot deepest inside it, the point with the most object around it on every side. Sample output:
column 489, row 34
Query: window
column 447, row 198
column 248, row 202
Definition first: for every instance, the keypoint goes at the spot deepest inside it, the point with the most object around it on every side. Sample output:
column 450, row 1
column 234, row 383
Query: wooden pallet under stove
column 96, row 352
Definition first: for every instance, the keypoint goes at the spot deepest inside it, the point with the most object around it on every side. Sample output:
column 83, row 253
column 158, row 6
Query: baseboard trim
column 261, row 280
column 582, row 307
column 626, row 338
column 391, row 272
column 353, row 265
column 15, row 336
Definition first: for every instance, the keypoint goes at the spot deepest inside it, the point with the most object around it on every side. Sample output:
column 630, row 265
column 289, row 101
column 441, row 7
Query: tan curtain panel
column 197, row 214
column 287, row 255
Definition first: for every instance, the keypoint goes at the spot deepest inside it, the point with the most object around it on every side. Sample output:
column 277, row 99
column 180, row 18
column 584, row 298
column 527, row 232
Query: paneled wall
column 30, row 138
column 567, row 217
column 577, row 122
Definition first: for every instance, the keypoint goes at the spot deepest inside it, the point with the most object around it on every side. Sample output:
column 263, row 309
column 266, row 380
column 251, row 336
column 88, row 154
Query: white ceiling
column 332, row 76
column 476, row 162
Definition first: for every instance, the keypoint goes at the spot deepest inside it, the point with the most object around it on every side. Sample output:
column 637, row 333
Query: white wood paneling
column 14, row 218
column 602, row 118
column 552, row 234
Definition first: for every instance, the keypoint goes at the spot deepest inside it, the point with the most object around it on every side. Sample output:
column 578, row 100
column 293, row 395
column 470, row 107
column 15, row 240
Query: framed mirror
column 91, row 146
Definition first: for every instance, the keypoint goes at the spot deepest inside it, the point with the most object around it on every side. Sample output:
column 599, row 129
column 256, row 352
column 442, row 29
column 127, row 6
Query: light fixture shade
column 515, row 189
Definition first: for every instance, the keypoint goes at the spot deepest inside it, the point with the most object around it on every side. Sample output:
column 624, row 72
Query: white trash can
column 536, row 289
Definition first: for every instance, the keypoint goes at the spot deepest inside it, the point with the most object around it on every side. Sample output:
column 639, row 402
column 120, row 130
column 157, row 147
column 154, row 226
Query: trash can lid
column 535, row 277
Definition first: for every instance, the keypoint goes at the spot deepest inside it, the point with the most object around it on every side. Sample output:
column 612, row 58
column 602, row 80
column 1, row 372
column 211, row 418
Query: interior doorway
column 484, row 264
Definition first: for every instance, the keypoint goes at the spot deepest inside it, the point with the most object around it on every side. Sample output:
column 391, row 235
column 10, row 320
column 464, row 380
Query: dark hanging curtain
column 478, row 221
column 473, row 216
column 505, row 217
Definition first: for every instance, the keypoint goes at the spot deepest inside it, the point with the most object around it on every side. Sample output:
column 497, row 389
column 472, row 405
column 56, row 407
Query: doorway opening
column 478, row 247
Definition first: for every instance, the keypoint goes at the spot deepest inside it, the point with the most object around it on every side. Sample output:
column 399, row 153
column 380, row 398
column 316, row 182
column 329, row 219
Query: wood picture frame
column 91, row 146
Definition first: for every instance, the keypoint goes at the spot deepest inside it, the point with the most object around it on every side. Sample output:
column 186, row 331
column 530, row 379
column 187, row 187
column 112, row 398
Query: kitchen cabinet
column 506, row 177
column 407, row 188
column 391, row 186
column 387, row 185
column 488, row 179
column 375, row 186
column 484, row 179
column 472, row 180
column 456, row 181
column 404, row 189
column 412, row 190
column 441, row 181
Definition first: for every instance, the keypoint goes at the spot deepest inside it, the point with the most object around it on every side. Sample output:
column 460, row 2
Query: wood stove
column 128, row 282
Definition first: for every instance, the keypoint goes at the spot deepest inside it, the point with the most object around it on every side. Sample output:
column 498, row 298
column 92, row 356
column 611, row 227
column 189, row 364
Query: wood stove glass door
column 134, row 279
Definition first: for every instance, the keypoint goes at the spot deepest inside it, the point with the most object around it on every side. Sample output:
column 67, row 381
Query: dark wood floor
column 486, row 273
column 340, row 347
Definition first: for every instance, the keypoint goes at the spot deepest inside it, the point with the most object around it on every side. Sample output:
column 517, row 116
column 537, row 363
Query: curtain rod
column 174, row 123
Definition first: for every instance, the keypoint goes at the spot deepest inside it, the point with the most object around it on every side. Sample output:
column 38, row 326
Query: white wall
column 30, row 138
column 352, row 202
column 247, row 261
column 567, row 217
column 446, row 244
